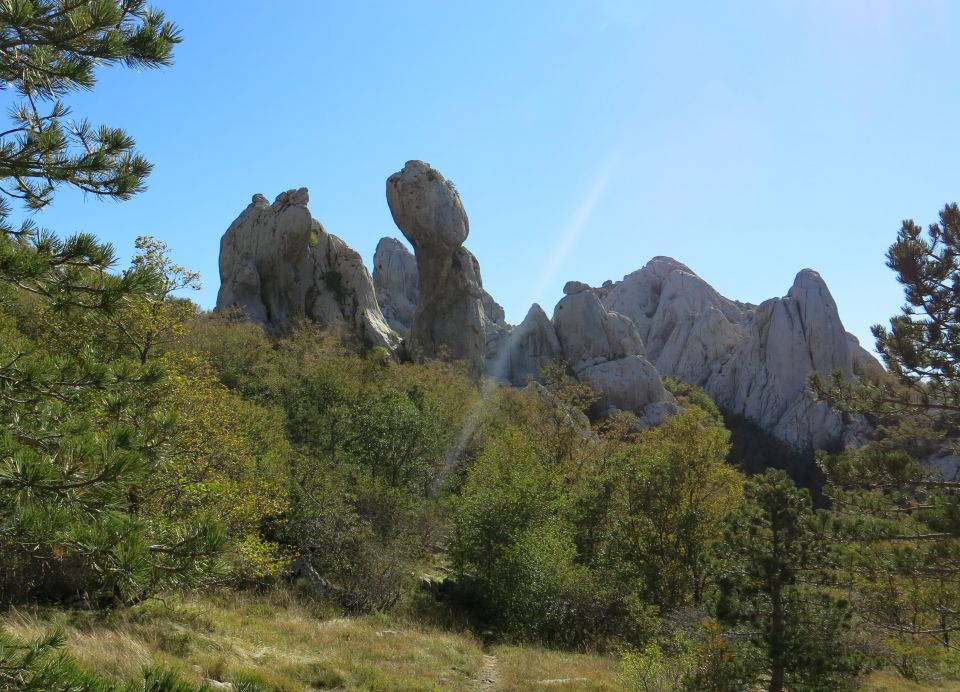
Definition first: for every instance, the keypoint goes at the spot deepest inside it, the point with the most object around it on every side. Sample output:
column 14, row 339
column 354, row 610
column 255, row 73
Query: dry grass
column 282, row 645
column 888, row 681
column 528, row 668
column 277, row 646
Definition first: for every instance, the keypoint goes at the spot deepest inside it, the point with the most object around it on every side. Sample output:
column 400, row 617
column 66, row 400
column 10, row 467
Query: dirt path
column 487, row 676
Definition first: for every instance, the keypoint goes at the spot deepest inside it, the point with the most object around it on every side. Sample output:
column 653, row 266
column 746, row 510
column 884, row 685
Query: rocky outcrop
column 448, row 320
column 589, row 333
column 753, row 360
column 765, row 376
column 278, row 264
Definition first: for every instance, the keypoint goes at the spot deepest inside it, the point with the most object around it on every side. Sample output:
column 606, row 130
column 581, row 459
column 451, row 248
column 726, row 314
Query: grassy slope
column 285, row 646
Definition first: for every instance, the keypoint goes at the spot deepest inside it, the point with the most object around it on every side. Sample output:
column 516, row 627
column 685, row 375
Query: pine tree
column 902, row 516
column 921, row 347
column 771, row 592
column 79, row 428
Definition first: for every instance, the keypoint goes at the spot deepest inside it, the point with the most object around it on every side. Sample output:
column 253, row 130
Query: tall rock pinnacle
column 449, row 316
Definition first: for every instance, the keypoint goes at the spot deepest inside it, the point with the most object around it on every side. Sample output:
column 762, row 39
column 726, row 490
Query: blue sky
column 746, row 139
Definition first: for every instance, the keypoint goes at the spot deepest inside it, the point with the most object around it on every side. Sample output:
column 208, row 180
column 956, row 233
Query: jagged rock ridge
column 753, row 360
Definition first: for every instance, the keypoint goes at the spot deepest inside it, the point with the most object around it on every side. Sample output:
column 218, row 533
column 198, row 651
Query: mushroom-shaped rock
column 448, row 320
column 278, row 264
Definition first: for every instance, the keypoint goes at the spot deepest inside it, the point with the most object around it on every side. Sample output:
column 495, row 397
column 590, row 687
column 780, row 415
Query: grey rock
column 604, row 348
column 590, row 334
column 278, row 264
column 572, row 287
column 526, row 350
column 632, row 384
column 765, row 376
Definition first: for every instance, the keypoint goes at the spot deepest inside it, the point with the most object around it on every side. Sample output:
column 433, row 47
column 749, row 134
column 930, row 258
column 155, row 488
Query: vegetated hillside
column 373, row 501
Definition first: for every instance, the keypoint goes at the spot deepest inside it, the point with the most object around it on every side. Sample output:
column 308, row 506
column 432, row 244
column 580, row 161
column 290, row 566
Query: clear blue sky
column 746, row 139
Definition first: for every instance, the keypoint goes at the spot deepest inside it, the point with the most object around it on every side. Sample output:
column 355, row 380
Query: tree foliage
column 49, row 48
column 921, row 347
column 773, row 589
column 900, row 516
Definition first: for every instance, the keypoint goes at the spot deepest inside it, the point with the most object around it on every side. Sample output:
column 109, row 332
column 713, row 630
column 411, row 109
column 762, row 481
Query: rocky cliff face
column 397, row 283
column 278, row 264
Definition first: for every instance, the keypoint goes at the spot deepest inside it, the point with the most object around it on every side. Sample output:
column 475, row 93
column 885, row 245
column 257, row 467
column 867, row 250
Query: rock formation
column 448, row 319
column 525, row 351
column 753, row 360
column 278, row 264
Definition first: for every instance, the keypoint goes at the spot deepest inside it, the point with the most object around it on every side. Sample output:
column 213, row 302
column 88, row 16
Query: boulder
column 278, row 264
column 630, row 384
column 590, row 334
column 448, row 320
column 572, row 287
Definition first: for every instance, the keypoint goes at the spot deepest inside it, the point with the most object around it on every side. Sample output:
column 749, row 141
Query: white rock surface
column 765, row 376
column 278, row 264
column 604, row 348
column 590, row 334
